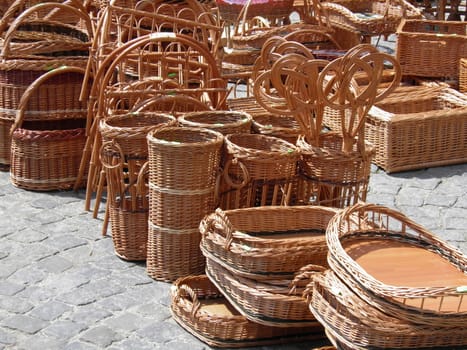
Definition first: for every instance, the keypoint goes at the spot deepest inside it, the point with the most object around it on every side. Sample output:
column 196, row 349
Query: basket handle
column 228, row 179
column 303, row 277
column 34, row 87
column 184, row 291
column 218, row 218
column 23, row 17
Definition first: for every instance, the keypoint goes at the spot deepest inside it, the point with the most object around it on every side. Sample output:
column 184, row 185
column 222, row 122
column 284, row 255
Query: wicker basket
column 30, row 48
column 397, row 266
column 330, row 177
column 342, row 312
column 266, row 243
column 369, row 18
column 268, row 304
column 431, row 48
column 419, row 128
column 225, row 122
column 230, row 10
column 258, row 170
column 183, row 169
column 282, row 126
column 123, row 155
column 47, row 144
column 200, row 308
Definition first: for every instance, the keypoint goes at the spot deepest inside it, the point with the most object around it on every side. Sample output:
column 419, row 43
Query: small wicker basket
column 225, row 122
column 258, row 170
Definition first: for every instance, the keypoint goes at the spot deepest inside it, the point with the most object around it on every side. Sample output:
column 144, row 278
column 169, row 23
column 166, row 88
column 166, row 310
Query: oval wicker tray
column 200, row 308
column 398, row 266
column 266, row 243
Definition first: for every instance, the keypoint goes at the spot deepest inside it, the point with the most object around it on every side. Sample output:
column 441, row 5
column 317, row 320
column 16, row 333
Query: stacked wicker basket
column 391, row 284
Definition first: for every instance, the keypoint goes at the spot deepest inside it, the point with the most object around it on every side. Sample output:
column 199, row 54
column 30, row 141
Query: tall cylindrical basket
column 183, row 170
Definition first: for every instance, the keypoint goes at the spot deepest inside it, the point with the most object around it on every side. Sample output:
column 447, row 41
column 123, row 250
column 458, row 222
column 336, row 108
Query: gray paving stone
column 49, row 202
column 118, row 302
column 45, row 217
column 24, row 323
column 90, row 314
column 41, row 342
column 101, row 336
column 10, row 288
column 63, row 329
column 55, row 264
column 37, row 295
column 28, row 236
column 50, row 310
column 68, row 281
column 155, row 311
column 78, row 345
column 133, row 342
column 160, row 332
column 15, row 304
column 126, row 322
column 7, row 337
column 30, row 274
column 411, row 196
column 64, row 241
column 3, row 255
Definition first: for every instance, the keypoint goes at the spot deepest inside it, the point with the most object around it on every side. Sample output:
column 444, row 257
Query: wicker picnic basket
column 183, row 173
column 331, row 177
column 258, row 170
column 123, row 155
column 397, row 266
column 359, row 324
column 47, row 141
column 418, row 128
column 200, row 308
column 225, row 122
column 279, row 305
column 431, row 48
column 284, row 127
column 266, row 243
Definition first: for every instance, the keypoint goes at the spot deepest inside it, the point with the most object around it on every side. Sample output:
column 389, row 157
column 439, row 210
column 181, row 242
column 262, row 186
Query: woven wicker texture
column 282, row 126
column 427, row 287
column 31, row 46
column 231, row 11
column 258, row 170
column 199, row 307
column 418, row 127
column 370, row 18
column 463, row 75
column 47, row 156
column 266, row 243
column 183, row 167
column 344, row 313
column 263, row 303
column 430, row 48
column 225, row 122
column 331, row 177
column 123, row 155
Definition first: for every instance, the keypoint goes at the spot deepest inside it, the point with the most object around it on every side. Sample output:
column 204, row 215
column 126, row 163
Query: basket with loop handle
column 397, row 266
column 128, row 204
column 31, row 45
column 200, row 308
column 47, row 143
column 258, row 170
column 183, row 178
column 266, row 243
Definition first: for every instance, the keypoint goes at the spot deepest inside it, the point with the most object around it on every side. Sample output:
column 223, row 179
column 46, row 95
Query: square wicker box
column 431, row 48
column 419, row 128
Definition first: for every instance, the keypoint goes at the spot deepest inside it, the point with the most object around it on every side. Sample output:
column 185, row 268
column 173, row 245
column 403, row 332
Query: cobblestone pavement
column 62, row 286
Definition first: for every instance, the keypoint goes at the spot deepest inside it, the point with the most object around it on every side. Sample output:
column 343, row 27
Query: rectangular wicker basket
column 431, row 48
column 413, row 130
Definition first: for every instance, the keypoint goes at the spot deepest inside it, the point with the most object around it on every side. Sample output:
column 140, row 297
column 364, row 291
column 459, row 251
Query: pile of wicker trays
column 391, row 283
